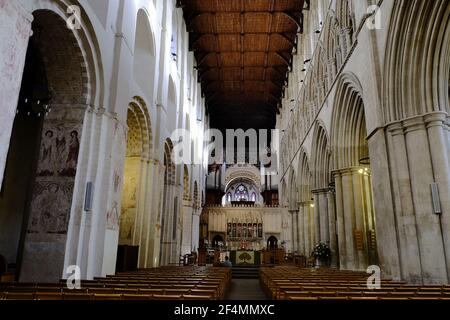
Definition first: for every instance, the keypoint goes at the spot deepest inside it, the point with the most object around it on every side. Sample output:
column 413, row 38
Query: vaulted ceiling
column 244, row 52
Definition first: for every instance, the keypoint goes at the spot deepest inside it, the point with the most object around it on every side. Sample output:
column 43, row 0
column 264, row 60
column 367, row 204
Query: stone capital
column 436, row 119
column 414, row 124
column 320, row 191
column 396, row 129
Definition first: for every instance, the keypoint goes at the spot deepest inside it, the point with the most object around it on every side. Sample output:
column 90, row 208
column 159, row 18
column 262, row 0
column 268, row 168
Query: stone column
column 294, row 219
column 384, row 196
column 307, row 228
column 410, row 253
column 361, row 262
column 15, row 23
column 137, row 237
column 316, row 214
column 79, row 222
column 145, row 226
column 155, row 227
column 166, row 235
column 187, row 227
column 195, row 229
column 96, row 250
column 301, row 229
column 349, row 219
column 332, row 227
column 428, row 224
column 323, row 214
column 437, row 135
column 340, row 222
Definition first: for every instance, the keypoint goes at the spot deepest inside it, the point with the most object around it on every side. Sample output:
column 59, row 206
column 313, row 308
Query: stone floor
column 245, row 289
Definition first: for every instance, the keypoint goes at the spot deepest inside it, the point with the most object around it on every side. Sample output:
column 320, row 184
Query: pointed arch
column 348, row 129
column 417, row 66
column 320, row 157
column 304, row 177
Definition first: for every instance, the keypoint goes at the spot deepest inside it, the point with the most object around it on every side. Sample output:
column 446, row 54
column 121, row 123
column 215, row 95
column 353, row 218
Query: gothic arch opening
column 323, row 190
column 40, row 174
column 353, row 178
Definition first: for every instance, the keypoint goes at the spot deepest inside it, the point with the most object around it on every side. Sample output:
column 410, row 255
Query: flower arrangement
column 322, row 251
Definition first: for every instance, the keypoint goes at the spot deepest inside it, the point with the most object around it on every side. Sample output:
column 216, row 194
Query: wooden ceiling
column 244, row 52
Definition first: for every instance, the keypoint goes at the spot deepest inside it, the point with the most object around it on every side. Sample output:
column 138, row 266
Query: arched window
column 241, row 193
column 229, row 197
column 253, row 197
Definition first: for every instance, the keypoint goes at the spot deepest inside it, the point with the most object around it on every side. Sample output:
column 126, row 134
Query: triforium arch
column 416, row 113
column 353, row 181
column 322, row 188
column 59, row 82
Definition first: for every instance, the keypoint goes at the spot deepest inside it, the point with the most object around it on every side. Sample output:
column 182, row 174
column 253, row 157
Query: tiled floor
column 245, row 289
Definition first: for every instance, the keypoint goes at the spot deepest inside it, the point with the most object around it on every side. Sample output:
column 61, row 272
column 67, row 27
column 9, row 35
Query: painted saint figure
column 72, row 157
column 47, row 155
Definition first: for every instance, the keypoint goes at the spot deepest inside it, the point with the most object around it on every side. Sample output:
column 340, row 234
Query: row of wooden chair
column 165, row 283
column 294, row 283
column 48, row 296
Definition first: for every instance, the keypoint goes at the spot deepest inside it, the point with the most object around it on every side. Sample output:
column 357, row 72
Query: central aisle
column 245, row 289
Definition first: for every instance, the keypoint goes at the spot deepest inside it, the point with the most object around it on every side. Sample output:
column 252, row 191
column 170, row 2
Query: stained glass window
column 241, row 193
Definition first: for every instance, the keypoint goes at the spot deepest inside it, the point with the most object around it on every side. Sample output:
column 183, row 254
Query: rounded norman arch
column 139, row 128
column 144, row 64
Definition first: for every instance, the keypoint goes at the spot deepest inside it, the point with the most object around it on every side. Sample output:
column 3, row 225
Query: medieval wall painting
column 52, row 193
column 55, row 177
column 59, row 151
column 117, row 159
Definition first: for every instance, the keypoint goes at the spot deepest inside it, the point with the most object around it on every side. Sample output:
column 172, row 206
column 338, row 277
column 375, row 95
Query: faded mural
column 53, row 188
column 116, row 156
